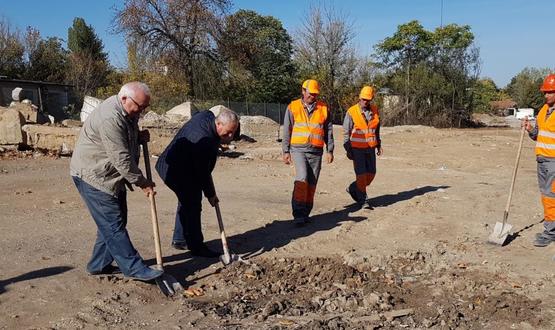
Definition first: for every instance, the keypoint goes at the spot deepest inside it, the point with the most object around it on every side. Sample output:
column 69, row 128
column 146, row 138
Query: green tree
column 81, row 38
column 434, row 72
column 88, row 64
column 524, row 88
column 257, row 50
column 484, row 92
column 12, row 51
column 48, row 61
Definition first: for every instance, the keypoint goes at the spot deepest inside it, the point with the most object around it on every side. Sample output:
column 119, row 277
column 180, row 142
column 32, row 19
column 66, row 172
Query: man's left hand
column 144, row 136
column 213, row 200
column 379, row 151
column 149, row 191
column 330, row 158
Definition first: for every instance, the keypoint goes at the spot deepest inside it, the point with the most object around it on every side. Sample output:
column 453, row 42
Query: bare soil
column 416, row 257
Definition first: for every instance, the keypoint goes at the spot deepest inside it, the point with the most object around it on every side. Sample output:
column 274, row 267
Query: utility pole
column 441, row 15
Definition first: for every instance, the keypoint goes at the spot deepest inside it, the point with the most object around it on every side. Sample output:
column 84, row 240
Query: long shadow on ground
column 386, row 200
column 45, row 272
column 281, row 232
column 516, row 234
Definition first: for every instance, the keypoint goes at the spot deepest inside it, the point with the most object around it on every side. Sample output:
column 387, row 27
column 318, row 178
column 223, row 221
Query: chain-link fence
column 274, row 111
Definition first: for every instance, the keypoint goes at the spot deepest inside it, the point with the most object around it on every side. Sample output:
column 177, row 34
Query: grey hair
column 131, row 88
column 227, row 116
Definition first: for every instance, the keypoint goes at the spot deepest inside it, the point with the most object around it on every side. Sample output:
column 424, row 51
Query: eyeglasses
column 141, row 107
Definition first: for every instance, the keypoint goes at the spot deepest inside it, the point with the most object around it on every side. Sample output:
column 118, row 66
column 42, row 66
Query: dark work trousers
column 112, row 239
column 307, row 171
column 546, row 181
column 187, row 218
column 364, row 163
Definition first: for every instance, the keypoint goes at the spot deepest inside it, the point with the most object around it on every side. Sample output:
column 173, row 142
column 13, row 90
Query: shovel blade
column 168, row 285
column 500, row 233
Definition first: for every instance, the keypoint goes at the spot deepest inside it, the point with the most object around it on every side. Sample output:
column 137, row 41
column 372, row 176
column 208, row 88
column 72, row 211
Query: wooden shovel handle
column 153, row 213
column 227, row 256
column 506, row 214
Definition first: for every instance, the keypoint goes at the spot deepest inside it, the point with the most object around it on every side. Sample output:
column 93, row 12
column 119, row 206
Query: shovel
column 167, row 283
column 227, row 258
column 501, row 229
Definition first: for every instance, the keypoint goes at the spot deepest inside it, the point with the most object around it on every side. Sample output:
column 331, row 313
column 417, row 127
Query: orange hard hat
column 366, row 93
column 311, row 86
column 548, row 83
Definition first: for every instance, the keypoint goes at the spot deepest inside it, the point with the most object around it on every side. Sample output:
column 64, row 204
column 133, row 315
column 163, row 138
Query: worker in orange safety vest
column 361, row 140
column 544, row 135
column 307, row 127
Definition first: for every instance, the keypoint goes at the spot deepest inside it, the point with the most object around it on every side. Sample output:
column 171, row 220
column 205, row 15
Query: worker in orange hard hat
column 361, row 140
column 307, row 127
column 544, row 135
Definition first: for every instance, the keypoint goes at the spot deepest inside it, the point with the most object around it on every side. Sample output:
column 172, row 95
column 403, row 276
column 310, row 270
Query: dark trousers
column 112, row 239
column 187, row 218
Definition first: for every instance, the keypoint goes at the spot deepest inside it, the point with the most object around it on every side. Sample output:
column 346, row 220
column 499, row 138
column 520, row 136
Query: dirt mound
column 410, row 291
column 325, row 293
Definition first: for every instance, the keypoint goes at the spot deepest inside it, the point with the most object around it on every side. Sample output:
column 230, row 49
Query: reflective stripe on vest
column 363, row 135
column 545, row 143
column 308, row 131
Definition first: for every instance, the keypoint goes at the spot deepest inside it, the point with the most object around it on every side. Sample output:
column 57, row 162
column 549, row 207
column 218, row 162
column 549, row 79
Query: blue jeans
column 112, row 240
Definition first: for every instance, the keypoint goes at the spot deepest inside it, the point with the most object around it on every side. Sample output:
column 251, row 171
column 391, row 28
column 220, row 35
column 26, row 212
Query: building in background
column 50, row 98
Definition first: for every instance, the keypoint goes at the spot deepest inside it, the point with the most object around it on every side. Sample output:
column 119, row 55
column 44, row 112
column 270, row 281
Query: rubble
column 153, row 120
column 182, row 112
column 61, row 139
column 89, row 104
column 315, row 291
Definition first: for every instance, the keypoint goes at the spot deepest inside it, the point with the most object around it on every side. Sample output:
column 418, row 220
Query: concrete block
column 11, row 122
column 61, row 139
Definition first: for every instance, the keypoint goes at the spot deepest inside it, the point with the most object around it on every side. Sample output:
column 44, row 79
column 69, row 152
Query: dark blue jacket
column 188, row 161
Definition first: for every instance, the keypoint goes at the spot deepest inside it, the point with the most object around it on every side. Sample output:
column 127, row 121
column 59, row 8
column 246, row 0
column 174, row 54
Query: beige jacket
column 106, row 155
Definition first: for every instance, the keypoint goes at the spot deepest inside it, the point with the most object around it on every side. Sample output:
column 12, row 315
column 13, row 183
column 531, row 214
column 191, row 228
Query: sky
column 511, row 34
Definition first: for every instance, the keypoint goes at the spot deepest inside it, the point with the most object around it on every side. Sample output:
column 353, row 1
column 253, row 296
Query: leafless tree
column 182, row 30
column 324, row 50
column 11, row 50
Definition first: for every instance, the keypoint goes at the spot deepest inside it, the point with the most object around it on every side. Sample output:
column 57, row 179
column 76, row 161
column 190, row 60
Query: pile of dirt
column 325, row 293
column 408, row 291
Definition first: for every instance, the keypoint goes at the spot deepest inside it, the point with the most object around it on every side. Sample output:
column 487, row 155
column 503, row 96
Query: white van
column 520, row 113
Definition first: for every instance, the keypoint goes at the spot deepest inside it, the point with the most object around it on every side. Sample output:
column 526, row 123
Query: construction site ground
column 418, row 257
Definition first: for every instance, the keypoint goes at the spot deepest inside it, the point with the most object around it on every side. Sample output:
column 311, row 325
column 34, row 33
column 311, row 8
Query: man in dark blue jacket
column 186, row 167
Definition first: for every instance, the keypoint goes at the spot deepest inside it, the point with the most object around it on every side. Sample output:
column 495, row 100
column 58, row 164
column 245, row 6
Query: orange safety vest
column 545, row 143
column 308, row 131
column 363, row 135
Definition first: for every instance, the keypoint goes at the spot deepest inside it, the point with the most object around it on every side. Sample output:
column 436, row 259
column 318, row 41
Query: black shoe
column 108, row 270
column 179, row 245
column 353, row 195
column 204, row 251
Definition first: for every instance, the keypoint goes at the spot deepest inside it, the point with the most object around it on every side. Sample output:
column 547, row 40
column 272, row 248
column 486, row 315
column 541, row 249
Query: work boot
column 179, row 245
column 108, row 270
column 204, row 251
column 542, row 240
column 147, row 274
column 355, row 197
